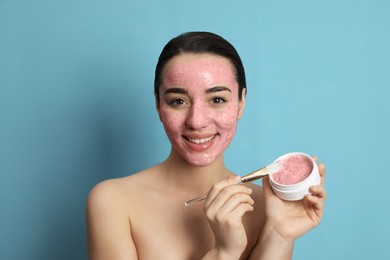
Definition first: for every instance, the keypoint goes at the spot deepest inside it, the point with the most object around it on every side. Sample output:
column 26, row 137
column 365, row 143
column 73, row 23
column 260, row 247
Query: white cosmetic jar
column 298, row 190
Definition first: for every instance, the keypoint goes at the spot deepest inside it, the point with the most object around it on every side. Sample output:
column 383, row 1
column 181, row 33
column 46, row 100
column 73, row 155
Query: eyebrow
column 184, row 91
column 176, row 90
column 217, row 89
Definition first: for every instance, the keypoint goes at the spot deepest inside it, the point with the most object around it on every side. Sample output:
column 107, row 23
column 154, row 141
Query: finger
column 217, row 187
column 322, row 170
column 314, row 207
column 318, row 191
column 315, row 158
column 240, row 210
column 234, row 216
column 234, row 201
column 227, row 193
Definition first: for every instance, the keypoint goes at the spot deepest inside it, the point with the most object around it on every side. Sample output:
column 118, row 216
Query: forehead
column 203, row 69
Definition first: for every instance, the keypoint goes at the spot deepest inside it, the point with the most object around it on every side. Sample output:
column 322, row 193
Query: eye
column 176, row 102
column 218, row 100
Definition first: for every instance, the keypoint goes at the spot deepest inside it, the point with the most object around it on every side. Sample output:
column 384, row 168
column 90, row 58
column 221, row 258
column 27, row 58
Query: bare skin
column 143, row 216
column 147, row 219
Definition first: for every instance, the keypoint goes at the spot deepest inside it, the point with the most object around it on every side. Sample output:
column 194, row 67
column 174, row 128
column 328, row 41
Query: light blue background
column 77, row 107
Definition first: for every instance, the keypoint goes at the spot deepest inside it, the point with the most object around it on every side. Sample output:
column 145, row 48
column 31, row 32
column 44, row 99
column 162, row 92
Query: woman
column 200, row 93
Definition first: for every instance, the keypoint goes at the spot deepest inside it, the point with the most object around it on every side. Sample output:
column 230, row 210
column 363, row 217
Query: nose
column 198, row 117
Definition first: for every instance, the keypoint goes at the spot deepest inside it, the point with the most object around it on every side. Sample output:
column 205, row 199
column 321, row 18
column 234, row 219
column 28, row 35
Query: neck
column 194, row 180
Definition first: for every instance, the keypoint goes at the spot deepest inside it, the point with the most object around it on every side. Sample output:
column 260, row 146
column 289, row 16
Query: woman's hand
column 224, row 207
column 292, row 219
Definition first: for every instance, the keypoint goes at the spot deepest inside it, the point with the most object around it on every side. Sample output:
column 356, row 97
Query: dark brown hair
column 198, row 43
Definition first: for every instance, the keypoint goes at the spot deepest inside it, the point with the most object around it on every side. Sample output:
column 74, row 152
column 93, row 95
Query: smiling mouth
column 201, row 140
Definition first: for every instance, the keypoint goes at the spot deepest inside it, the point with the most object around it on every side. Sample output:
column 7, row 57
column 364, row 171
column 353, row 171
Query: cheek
column 227, row 125
column 171, row 121
column 228, row 118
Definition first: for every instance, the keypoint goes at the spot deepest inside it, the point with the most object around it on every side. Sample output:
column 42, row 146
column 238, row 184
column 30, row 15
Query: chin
column 199, row 164
column 200, row 161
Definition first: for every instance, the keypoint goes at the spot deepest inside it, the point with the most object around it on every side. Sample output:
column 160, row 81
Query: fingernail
column 236, row 178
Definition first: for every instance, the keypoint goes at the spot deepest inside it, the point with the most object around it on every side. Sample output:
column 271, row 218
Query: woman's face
column 199, row 106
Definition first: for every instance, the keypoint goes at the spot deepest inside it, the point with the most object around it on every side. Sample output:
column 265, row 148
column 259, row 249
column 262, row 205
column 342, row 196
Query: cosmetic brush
column 256, row 175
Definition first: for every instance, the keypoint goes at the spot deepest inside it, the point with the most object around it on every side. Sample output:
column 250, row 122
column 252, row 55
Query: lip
column 200, row 143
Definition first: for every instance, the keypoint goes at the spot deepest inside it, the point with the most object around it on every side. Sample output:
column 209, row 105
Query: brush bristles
column 274, row 167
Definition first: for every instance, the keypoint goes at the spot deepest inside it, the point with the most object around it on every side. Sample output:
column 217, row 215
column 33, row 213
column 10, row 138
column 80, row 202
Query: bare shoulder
column 105, row 191
column 119, row 191
column 106, row 195
column 108, row 212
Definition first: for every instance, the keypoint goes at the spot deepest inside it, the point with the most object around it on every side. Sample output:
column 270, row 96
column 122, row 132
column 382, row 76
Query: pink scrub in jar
column 298, row 172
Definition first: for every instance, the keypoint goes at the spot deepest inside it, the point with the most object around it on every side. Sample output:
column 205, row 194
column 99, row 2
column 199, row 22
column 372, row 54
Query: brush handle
column 196, row 200
column 256, row 175
column 247, row 178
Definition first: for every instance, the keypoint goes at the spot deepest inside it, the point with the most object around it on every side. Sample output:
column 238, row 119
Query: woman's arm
column 108, row 225
column 288, row 220
column 272, row 245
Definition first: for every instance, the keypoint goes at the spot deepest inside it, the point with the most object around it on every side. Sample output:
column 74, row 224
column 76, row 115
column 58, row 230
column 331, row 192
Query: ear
column 242, row 103
column 157, row 103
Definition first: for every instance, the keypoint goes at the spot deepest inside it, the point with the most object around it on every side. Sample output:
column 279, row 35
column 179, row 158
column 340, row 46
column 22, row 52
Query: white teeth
column 201, row 141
